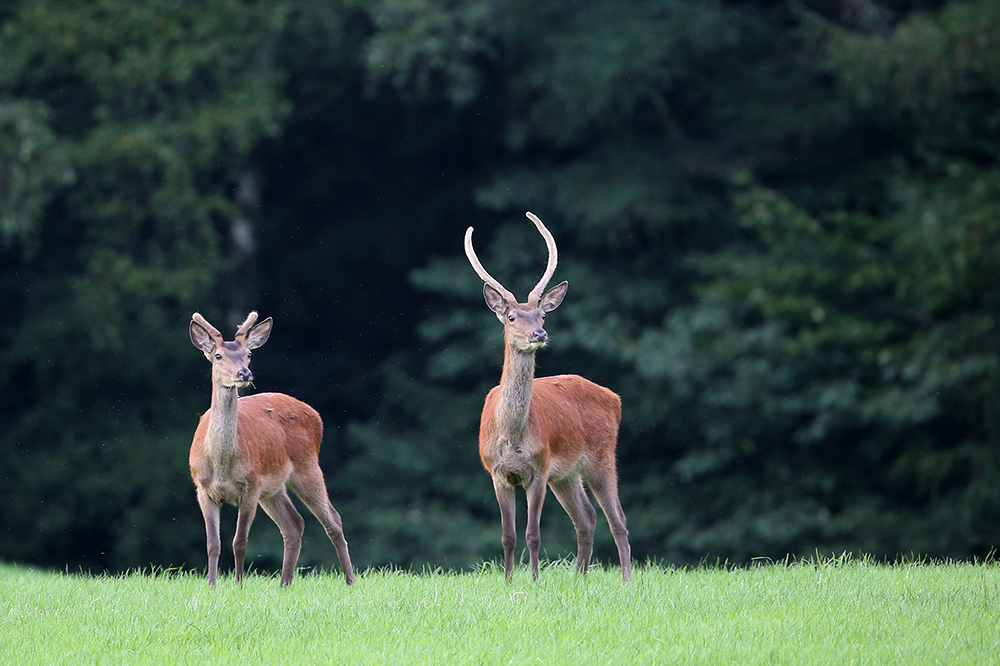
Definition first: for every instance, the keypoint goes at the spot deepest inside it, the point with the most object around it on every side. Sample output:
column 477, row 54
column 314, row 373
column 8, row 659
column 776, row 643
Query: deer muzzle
column 539, row 335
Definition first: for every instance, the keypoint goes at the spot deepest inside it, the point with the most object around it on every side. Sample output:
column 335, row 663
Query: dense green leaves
column 154, row 109
column 34, row 165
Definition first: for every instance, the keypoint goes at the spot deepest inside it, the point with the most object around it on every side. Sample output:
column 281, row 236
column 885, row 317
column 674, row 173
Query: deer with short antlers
column 248, row 451
column 556, row 431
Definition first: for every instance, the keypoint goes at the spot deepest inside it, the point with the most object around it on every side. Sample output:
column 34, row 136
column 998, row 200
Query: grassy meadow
column 830, row 612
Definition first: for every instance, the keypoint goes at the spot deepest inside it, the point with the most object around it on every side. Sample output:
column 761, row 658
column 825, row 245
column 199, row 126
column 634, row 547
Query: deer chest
column 512, row 463
column 224, row 487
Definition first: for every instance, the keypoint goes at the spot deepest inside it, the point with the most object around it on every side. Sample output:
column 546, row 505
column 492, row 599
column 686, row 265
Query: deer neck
column 220, row 439
column 515, row 394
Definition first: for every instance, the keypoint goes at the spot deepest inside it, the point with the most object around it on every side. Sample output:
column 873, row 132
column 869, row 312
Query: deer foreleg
column 210, row 511
column 508, row 535
column 532, row 533
column 247, row 511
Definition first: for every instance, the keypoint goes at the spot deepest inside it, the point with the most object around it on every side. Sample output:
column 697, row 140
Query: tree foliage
column 779, row 223
column 129, row 125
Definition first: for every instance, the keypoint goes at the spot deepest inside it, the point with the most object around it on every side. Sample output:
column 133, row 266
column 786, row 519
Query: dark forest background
column 780, row 222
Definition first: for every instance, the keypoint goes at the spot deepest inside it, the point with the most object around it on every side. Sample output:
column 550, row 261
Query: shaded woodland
column 780, row 223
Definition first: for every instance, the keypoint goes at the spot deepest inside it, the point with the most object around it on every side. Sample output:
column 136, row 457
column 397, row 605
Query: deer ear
column 551, row 299
column 495, row 300
column 201, row 339
column 259, row 334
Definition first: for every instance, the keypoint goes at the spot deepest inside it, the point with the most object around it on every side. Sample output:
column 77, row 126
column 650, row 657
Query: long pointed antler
column 201, row 321
column 550, row 268
column 245, row 327
column 481, row 272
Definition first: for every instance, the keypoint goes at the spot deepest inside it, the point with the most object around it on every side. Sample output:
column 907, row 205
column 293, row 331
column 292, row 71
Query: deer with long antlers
column 556, row 431
column 248, row 451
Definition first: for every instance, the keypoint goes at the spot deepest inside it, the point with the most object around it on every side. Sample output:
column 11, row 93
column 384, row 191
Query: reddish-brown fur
column 249, row 451
column 553, row 431
column 273, row 430
column 573, row 416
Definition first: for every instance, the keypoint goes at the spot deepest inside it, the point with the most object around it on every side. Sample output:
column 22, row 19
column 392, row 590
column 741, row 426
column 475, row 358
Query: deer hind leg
column 311, row 489
column 573, row 498
column 284, row 514
column 210, row 511
column 605, row 489
column 533, row 533
column 508, row 535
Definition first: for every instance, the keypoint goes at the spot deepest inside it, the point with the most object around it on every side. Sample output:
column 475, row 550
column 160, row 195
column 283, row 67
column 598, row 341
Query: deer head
column 524, row 323
column 230, row 360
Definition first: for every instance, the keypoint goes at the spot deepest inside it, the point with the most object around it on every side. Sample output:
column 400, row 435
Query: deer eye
column 510, row 318
column 249, row 354
column 217, row 356
column 543, row 315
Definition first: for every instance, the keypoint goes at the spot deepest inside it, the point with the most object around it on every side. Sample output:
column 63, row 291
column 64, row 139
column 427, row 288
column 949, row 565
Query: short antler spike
column 245, row 327
column 201, row 321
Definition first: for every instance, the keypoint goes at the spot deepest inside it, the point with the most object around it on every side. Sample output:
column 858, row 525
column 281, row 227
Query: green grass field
column 833, row 612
